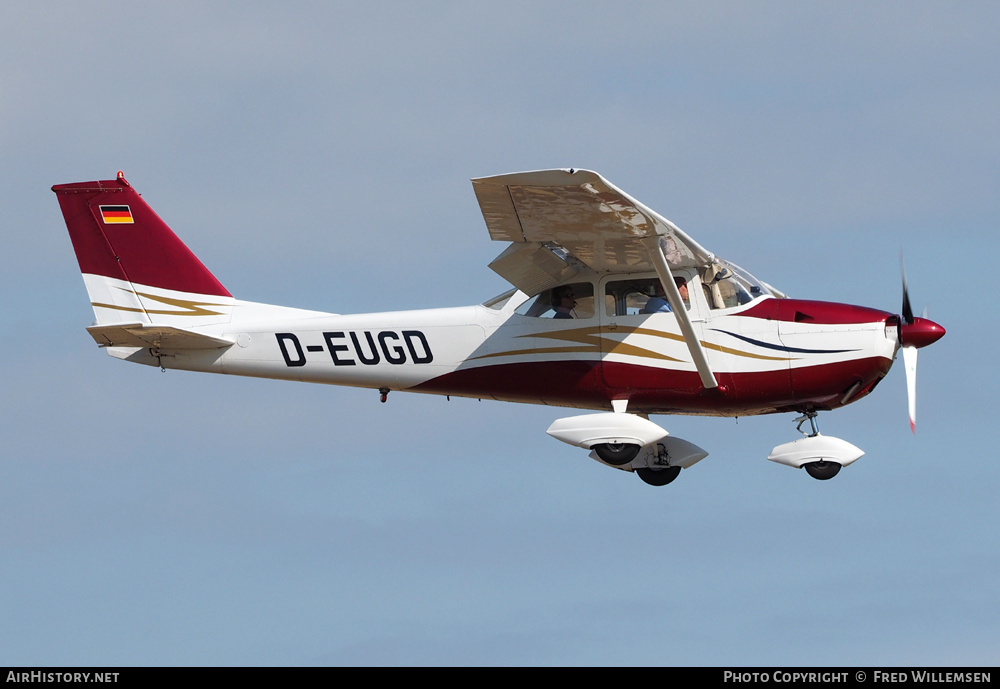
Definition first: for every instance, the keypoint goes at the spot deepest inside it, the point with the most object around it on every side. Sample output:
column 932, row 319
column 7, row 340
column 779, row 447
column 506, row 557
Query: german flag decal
column 116, row 215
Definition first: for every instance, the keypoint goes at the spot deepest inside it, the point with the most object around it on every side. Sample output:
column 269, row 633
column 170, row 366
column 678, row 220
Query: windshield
column 727, row 285
column 755, row 287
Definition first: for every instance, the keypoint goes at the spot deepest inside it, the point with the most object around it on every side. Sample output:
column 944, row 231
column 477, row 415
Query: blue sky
column 319, row 157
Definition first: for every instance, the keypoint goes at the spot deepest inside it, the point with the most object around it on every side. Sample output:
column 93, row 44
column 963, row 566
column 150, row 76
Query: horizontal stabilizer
column 158, row 336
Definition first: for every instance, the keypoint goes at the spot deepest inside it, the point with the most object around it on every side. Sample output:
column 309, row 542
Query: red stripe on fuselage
column 661, row 391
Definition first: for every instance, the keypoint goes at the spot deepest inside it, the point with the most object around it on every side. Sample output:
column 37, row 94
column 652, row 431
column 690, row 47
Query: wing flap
column 158, row 336
column 532, row 267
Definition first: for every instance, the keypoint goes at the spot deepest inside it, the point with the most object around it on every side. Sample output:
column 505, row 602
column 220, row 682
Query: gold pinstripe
column 592, row 340
column 193, row 308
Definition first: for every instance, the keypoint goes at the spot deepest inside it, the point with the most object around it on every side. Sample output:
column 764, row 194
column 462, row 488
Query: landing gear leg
column 809, row 416
column 823, row 470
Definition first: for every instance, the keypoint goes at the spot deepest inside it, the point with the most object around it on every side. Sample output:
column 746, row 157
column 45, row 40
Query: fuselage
column 769, row 355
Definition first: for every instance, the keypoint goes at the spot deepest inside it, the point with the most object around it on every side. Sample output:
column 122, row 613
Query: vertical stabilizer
column 135, row 268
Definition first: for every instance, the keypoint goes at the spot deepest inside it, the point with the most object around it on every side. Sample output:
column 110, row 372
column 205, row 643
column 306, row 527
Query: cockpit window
column 575, row 300
column 636, row 296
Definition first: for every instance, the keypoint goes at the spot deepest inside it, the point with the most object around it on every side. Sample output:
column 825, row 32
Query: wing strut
column 677, row 304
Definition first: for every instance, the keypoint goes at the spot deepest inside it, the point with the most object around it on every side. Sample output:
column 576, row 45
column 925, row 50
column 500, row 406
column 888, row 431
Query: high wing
column 577, row 212
column 558, row 218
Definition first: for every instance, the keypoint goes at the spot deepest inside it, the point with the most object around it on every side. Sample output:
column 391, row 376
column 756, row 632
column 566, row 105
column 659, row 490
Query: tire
column 822, row 470
column 616, row 454
column 658, row 477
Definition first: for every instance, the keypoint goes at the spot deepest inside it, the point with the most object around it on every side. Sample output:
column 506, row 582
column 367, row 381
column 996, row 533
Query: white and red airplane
column 613, row 308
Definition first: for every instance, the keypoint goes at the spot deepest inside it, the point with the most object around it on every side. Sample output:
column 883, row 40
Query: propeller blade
column 910, row 364
column 907, row 309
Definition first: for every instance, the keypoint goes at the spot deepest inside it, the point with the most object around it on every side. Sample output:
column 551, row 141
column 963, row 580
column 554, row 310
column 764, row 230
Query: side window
column 574, row 301
column 637, row 297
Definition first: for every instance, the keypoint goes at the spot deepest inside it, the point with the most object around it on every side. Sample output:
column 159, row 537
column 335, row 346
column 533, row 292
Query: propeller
column 907, row 310
column 910, row 365
column 909, row 352
column 913, row 334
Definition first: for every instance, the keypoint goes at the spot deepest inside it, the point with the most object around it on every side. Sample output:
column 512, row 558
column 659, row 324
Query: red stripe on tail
column 145, row 251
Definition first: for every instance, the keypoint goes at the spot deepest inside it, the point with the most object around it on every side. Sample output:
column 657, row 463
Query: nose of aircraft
column 920, row 333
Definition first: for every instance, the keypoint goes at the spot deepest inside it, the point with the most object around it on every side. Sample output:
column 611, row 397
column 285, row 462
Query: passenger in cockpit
column 658, row 301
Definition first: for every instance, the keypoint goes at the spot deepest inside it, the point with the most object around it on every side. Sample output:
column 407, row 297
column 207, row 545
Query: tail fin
column 135, row 268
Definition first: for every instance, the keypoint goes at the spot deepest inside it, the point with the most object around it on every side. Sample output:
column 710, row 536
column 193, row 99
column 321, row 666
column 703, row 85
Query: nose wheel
column 822, row 470
column 822, row 456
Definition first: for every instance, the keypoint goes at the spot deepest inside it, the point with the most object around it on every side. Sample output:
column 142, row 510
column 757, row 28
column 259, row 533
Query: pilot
column 563, row 301
column 658, row 302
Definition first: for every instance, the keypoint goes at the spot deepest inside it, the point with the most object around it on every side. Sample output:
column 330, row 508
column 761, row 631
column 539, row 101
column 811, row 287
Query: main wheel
column 617, row 454
column 658, row 477
column 822, row 470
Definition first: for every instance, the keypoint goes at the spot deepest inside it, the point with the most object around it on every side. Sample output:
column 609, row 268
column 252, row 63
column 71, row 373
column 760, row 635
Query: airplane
column 612, row 309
